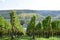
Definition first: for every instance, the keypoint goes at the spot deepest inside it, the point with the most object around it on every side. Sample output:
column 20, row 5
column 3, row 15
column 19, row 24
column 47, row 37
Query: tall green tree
column 46, row 23
column 31, row 27
column 55, row 26
column 2, row 25
column 38, row 26
column 15, row 22
column 38, row 29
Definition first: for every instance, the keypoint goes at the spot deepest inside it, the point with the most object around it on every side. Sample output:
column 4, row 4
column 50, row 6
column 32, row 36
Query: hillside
column 41, row 13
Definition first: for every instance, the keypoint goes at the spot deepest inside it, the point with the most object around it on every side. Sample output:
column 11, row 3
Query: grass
column 28, row 38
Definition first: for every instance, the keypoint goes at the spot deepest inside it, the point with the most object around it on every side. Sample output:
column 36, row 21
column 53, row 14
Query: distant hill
column 42, row 13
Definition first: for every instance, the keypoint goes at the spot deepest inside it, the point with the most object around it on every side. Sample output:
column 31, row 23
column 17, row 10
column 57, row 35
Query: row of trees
column 44, row 28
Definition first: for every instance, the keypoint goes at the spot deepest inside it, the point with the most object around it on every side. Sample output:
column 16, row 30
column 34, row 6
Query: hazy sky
column 30, row 4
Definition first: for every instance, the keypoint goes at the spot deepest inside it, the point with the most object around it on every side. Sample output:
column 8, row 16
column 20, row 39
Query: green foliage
column 15, row 21
column 8, row 25
column 38, row 26
column 2, row 21
column 4, row 25
column 46, row 23
column 31, row 24
column 55, row 24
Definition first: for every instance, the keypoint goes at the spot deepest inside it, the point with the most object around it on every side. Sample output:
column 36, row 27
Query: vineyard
column 46, row 29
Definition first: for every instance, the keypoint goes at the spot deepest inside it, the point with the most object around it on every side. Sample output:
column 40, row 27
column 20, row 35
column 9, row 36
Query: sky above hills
column 30, row 4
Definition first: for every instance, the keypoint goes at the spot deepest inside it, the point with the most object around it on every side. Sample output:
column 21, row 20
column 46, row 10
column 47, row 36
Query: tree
column 2, row 25
column 47, row 25
column 8, row 27
column 55, row 26
column 15, row 23
column 38, row 28
column 31, row 27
